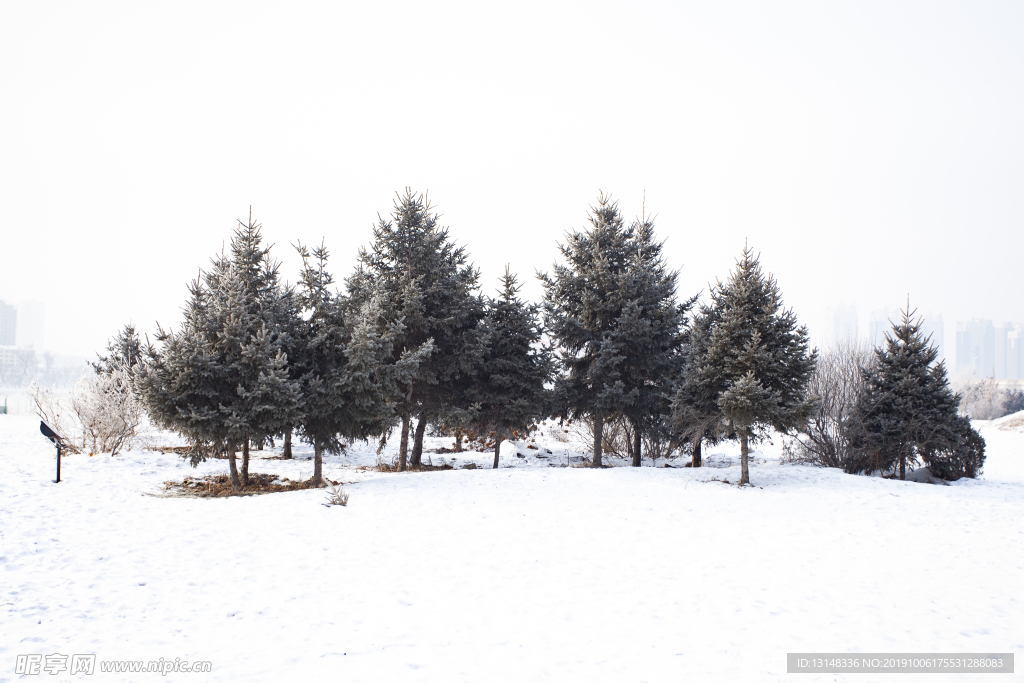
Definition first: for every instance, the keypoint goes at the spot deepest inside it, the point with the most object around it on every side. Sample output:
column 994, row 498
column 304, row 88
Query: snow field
column 520, row 574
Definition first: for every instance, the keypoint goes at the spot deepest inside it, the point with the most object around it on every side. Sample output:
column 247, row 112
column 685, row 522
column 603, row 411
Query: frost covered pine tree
column 508, row 392
column 223, row 379
column 907, row 411
column 650, row 332
column 123, row 351
column 344, row 363
column 696, row 417
column 611, row 307
column 418, row 276
column 749, row 357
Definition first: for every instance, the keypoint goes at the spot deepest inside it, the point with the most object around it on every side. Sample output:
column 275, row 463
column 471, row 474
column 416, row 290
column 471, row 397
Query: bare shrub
column 659, row 446
column 107, row 409
column 615, row 437
column 836, row 382
column 983, row 400
column 53, row 412
column 102, row 413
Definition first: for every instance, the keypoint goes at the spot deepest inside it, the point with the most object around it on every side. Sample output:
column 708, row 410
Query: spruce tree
column 696, row 418
column 320, row 361
column 123, row 351
column 508, row 393
column 344, row 362
column 612, row 309
column 582, row 305
column 223, row 380
column 650, row 332
column 419, row 277
column 748, row 362
column 907, row 411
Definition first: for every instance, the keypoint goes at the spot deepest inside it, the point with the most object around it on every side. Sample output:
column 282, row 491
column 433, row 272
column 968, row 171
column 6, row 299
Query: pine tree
column 320, row 361
column 508, row 394
column 747, row 363
column 582, row 306
column 907, row 411
column 344, row 364
column 650, row 332
column 696, row 417
column 123, row 351
column 612, row 309
column 419, row 277
column 223, row 380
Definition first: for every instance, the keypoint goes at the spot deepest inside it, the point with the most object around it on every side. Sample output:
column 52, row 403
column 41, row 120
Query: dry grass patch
column 219, row 486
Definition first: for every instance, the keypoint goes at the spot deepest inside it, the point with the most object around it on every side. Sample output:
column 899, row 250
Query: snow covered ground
column 530, row 572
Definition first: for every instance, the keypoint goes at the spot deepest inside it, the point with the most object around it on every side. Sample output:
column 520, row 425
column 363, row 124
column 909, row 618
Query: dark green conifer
column 508, row 393
column 747, row 363
column 223, row 379
column 419, row 277
column 907, row 412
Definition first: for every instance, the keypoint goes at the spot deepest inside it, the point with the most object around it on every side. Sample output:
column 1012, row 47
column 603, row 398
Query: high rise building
column 931, row 325
column 31, row 325
column 976, row 347
column 845, row 327
column 878, row 325
column 1015, row 352
column 8, row 324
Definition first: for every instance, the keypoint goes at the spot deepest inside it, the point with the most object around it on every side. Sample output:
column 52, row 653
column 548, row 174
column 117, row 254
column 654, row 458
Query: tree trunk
column 245, row 462
column 233, row 468
column 497, row 450
column 598, row 438
column 259, row 446
column 287, row 453
column 903, row 467
column 417, row 447
column 696, row 461
column 458, row 440
column 637, row 444
column 403, row 448
column 744, row 473
column 318, row 463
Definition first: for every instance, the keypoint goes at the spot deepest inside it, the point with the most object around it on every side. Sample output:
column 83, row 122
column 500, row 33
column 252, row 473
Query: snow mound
column 1013, row 422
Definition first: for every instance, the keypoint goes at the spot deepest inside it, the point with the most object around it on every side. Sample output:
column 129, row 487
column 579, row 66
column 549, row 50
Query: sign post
column 57, row 440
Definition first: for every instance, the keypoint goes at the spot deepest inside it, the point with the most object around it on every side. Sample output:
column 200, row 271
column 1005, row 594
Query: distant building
column 845, row 328
column 1015, row 352
column 878, row 325
column 8, row 324
column 8, row 363
column 31, row 325
column 932, row 325
column 976, row 347
column 1008, row 352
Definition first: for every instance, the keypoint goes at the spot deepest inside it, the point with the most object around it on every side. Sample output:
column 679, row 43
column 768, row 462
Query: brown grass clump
column 219, row 486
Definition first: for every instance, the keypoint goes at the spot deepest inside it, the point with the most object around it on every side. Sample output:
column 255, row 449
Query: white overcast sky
column 867, row 150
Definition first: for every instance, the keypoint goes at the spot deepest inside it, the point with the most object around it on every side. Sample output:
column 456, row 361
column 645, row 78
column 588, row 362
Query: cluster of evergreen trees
column 413, row 338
